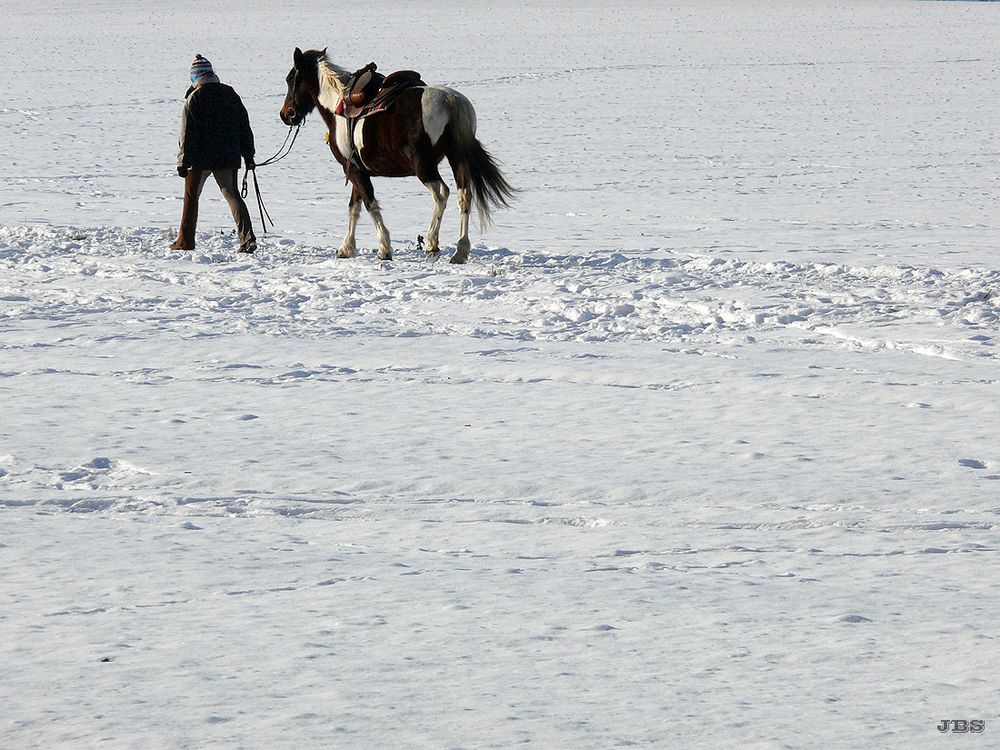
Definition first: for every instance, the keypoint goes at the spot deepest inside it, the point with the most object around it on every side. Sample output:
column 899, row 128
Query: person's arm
column 182, row 153
column 246, row 137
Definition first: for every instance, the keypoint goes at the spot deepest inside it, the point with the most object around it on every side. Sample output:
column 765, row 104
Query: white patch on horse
column 342, row 136
column 359, row 139
column 434, row 109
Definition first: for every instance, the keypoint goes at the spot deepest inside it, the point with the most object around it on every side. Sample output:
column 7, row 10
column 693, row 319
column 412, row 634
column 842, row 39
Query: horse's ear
column 299, row 58
column 322, row 54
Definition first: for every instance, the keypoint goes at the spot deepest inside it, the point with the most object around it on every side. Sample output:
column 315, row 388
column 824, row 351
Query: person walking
column 215, row 135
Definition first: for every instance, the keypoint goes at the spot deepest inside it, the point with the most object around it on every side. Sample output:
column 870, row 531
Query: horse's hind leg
column 463, row 246
column 439, row 192
column 349, row 246
column 363, row 183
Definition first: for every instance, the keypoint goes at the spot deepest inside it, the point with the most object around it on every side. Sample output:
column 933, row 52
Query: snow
column 700, row 450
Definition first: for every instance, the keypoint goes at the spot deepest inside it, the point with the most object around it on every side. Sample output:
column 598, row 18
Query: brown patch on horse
column 394, row 143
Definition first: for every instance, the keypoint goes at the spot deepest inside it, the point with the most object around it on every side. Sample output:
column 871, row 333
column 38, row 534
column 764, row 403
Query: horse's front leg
column 349, row 247
column 367, row 190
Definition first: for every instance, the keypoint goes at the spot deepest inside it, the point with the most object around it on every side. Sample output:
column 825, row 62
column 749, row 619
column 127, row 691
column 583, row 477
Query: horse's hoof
column 462, row 249
column 345, row 253
column 384, row 256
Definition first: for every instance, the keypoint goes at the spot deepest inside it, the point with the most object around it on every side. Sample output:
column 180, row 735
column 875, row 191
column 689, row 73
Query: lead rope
column 281, row 154
column 261, row 208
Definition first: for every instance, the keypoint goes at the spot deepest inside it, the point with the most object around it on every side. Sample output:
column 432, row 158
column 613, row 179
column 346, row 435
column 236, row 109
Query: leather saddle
column 369, row 91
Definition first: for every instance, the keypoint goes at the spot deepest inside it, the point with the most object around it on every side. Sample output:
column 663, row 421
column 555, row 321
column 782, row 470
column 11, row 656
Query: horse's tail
column 474, row 166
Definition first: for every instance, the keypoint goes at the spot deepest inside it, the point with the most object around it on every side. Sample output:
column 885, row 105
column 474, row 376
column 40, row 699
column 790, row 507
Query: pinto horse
column 424, row 125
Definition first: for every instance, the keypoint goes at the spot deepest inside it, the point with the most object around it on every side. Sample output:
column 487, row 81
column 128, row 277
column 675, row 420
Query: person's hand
column 250, row 163
column 182, row 171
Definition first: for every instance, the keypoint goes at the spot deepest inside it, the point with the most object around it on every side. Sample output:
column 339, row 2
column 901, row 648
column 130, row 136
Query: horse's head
column 303, row 86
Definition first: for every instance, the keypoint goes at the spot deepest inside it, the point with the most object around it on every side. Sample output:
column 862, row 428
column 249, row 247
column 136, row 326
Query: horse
column 424, row 125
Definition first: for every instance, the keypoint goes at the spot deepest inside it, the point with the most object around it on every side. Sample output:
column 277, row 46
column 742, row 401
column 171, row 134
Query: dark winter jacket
column 215, row 128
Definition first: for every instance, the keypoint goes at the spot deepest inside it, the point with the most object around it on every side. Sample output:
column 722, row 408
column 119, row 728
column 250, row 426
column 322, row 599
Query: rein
column 281, row 154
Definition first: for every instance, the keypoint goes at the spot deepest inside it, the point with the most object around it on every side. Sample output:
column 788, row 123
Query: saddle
column 369, row 91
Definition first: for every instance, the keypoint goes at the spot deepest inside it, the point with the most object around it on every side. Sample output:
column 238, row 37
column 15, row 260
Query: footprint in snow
column 853, row 619
column 100, row 472
column 972, row 463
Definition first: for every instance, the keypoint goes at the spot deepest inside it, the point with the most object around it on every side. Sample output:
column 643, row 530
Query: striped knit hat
column 200, row 67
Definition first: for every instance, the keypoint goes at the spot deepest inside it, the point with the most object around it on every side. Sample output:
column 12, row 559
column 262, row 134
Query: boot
column 189, row 214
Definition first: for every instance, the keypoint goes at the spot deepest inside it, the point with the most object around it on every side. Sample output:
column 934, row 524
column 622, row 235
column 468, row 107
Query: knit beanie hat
column 200, row 67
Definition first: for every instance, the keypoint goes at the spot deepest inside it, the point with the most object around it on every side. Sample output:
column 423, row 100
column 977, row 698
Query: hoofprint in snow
column 574, row 500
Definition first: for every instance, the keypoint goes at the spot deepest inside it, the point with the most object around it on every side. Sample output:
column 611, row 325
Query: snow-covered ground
column 700, row 450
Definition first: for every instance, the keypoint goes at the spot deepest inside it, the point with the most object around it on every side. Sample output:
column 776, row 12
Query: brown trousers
column 193, row 184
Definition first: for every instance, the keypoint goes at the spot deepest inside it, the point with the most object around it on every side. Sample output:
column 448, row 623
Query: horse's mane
column 332, row 80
